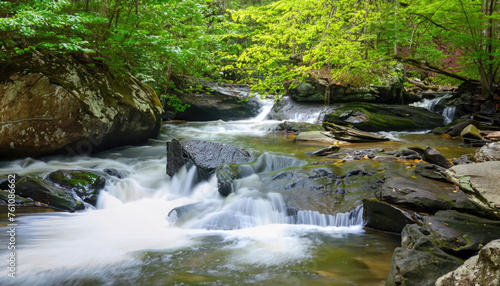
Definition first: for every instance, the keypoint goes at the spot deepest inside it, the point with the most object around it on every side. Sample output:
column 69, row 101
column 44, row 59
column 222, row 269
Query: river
column 246, row 238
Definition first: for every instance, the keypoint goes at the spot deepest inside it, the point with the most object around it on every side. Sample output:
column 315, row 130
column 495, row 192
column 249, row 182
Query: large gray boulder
column 206, row 156
column 480, row 181
column 490, row 152
column 422, row 195
column 213, row 101
column 312, row 90
column 481, row 269
column 418, row 262
column 64, row 105
column 383, row 117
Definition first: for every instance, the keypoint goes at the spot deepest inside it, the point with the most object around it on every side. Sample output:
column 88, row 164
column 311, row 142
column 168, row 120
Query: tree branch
column 428, row 67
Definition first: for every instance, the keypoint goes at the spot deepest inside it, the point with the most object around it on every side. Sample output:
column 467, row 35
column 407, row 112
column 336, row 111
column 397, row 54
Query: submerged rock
column 481, row 269
column 100, row 110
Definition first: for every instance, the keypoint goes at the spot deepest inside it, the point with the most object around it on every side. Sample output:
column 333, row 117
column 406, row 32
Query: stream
column 246, row 238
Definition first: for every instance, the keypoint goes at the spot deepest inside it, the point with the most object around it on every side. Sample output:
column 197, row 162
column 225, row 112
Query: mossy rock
column 297, row 127
column 87, row 185
column 45, row 193
column 379, row 117
column 471, row 131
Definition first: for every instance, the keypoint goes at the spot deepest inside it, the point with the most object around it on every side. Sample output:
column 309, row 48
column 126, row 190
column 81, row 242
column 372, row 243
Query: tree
column 151, row 39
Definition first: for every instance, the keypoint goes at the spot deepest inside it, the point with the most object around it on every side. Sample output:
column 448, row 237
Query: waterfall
column 251, row 208
column 449, row 114
column 431, row 103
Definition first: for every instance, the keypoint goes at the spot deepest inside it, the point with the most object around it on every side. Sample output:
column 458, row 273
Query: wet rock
column 114, row 173
column 378, row 117
column 383, row 216
column 315, row 136
column 491, row 152
column 101, row 111
column 325, row 151
column 480, row 182
column 6, row 180
column 288, row 109
column 350, row 135
column 183, row 214
column 460, row 234
column 455, row 128
column 206, row 156
column 433, row 156
column 471, row 131
column 422, row 195
column 213, row 101
column 481, row 269
column 464, row 159
column 296, row 127
column 86, row 184
column 408, row 154
column 226, row 174
column 313, row 90
column 431, row 171
column 357, row 154
column 328, row 189
column 46, row 193
column 418, row 262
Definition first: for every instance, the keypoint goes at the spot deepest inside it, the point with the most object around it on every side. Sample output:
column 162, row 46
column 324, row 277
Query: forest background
column 266, row 42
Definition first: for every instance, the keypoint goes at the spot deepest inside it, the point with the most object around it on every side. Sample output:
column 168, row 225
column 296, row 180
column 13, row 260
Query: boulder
column 422, row 195
column 313, row 90
column 408, row 154
column 379, row 117
column 493, row 136
column 288, row 109
column 206, row 156
column 101, row 110
column 433, row 156
column 418, row 262
column 86, row 184
column 490, row 152
column 481, row 269
column 464, row 159
column 325, row 151
column 431, row 171
column 45, row 193
column 213, row 101
column 350, row 134
column 455, row 128
column 480, row 182
column 315, row 137
column 296, row 127
column 387, row 217
column 460, row 234
column 328, row 189
column 471, row 131
column 357, row 154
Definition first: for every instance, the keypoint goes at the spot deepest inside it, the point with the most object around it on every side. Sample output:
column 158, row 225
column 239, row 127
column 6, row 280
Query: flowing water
column 250, row 237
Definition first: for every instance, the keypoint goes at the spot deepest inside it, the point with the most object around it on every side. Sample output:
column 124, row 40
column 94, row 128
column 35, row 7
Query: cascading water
column 150, row 229
column 430, row 104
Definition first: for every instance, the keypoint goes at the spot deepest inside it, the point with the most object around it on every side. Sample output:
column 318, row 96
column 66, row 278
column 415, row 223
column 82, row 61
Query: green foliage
column 152, row 39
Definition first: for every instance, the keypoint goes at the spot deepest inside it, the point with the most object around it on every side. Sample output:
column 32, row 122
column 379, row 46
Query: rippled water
column 249, row 237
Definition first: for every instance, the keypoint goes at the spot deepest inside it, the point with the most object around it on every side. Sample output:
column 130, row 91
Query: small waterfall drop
column 449, row 114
